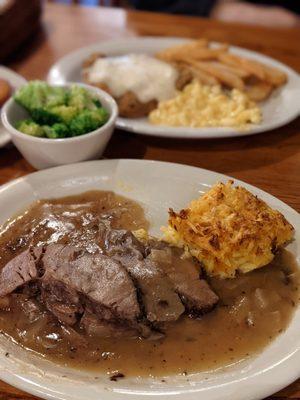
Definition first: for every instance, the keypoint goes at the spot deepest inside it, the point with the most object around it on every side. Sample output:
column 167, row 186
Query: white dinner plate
column 15, row 81
column 281, row 108
column 156, row 186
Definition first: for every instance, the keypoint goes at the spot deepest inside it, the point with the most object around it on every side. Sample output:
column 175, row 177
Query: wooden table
column 270, row 161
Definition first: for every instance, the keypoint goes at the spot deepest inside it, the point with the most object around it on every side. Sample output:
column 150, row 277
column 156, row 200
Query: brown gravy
column 253, row 310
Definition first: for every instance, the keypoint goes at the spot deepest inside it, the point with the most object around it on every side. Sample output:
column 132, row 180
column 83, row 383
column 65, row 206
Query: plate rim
column 185, row 132
column 281, row 382
column 9, row 74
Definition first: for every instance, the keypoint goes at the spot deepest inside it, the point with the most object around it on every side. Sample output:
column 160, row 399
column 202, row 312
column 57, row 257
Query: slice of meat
column 74, row 276
column 194, row 292
column 160, row 301
column 66, row 313
column 19, row 271
column 67, row 280
column 96, row 327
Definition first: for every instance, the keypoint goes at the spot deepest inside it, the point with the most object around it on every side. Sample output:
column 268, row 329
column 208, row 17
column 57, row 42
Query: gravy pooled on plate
column 252, row 310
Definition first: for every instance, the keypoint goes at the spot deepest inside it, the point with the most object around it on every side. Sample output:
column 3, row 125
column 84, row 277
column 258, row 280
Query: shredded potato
column 228, row 229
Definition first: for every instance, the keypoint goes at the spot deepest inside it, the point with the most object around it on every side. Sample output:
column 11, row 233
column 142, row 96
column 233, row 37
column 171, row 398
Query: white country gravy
column 253, row 308
column 147, row 77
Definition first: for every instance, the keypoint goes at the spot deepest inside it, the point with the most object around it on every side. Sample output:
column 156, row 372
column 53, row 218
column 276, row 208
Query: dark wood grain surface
column 270, row 161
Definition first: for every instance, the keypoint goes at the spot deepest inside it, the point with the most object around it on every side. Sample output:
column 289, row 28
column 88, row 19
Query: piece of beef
column 74, row 277
column 129, row 289
column 19, row 271
column 194, row 292
column 68, row 280
column 160, row 301
column 96, row 327
column 58, row 295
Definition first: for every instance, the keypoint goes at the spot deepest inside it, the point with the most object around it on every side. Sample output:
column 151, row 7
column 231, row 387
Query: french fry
column 274, row 76
column 250, row 66
column 216, row 65
column 225, row 77
column 198, row 53
column 242, row 73
column 187, row 48
column 271, row 75
column 201, row 55
column 259, row 91
column 203, row 76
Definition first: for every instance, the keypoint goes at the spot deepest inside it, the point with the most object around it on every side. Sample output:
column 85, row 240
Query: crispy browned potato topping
column 229, row 229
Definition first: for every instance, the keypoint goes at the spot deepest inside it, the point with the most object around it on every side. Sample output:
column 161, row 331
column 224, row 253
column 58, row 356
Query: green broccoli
column 80, row 98
column 38, row 94
column 64, row 113
column 58, row 112
column 30, row 127
column 88, row 121
column 56, row 131
column 97, row 103
column 44, row 117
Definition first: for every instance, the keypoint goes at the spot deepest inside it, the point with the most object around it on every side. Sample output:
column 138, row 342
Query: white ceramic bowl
column 44, row 153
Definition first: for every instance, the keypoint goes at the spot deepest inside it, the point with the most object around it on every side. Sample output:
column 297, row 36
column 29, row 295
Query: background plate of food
column 174, row 87
column 239, row 341
column 9, row 81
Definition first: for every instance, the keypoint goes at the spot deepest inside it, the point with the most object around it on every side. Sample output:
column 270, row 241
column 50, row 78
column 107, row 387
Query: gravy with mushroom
column 253, row 308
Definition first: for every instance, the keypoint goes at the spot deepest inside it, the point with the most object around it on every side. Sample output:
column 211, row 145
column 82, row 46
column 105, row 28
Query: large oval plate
column 156, row 186
column 281, row 108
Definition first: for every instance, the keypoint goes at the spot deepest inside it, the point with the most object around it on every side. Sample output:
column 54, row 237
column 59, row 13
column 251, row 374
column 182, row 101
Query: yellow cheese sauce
column 207, row 106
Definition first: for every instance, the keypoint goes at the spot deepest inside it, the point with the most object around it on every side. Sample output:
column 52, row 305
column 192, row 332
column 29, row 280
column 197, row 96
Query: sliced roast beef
column 73, row 277
column 19, row 271
column 129, row 289
column 70, row 279
column 161, row 302
column 194, row 292
column 96, row 327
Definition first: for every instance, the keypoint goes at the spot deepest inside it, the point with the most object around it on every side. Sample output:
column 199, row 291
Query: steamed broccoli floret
column 44, row 117
column 80, row 98
column 97, row 103
column 58, row 112
column 38, row 94
column 30, row 127
column 88, row 121
column 56, row 131
column 64, row 113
